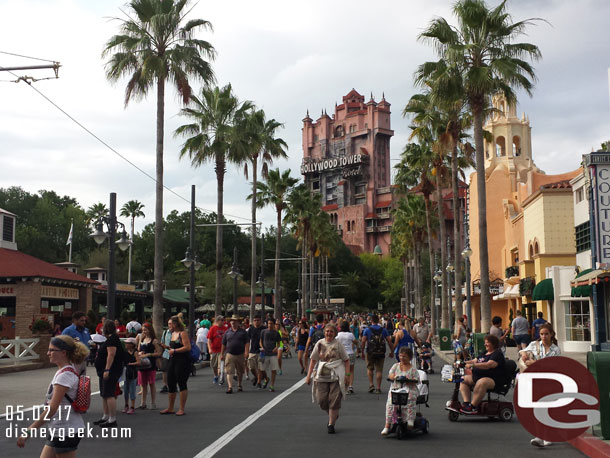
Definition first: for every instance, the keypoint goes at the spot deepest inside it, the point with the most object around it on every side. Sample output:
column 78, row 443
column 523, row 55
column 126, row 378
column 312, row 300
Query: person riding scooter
column 487, row 373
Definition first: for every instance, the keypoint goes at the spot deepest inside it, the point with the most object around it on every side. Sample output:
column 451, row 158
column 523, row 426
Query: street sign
column 379, row 306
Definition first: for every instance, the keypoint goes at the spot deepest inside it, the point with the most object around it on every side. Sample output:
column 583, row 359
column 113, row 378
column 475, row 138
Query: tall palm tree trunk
column 312, row 284
column 253, row 245
column 220, row 176
column 278, row 281
column 442, row 231
column 431, row 267
column 420, row 282
column 304, row 285
column 482, row 207
column 158, row 262
column 457, row 252
column 407, row 267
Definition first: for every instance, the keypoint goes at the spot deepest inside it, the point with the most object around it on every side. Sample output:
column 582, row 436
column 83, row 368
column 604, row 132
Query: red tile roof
column 16, row 264
column 383, row 204
column 330, row 207
column 370, row 215
column 564, row 184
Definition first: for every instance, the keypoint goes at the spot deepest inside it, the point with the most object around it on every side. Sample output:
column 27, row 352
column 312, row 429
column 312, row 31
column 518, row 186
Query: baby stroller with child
column 400, row 398
column 424, row 358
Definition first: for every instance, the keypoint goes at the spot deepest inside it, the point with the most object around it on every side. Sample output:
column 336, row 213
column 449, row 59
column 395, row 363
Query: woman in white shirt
column 202, row 341
column 349, row 341
column 66, row 353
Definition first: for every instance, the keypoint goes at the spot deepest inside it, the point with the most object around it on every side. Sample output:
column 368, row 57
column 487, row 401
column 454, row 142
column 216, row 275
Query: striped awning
column 590, row 277
column 510, row 292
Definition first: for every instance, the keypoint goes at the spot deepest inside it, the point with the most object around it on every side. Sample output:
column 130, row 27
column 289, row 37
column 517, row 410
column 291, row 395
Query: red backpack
column 83, row 393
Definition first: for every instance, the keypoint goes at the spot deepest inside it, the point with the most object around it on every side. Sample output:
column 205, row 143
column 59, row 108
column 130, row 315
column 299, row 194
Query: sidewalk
column 590, row 445
column 28, row 388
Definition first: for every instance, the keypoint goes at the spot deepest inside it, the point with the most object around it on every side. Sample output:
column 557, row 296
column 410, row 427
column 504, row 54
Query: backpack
column 195, row 352
column 376, row 344
column 317, row 335
column 83, row 393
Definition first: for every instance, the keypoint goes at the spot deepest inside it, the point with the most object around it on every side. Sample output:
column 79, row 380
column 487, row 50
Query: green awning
column 178, row 296
column 543, row 291
column 582, row 291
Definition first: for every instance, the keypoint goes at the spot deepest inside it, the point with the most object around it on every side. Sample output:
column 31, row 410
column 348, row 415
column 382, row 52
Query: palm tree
column 263, row 145
column 216, row 135
column 133, row 210
column 154, row 47
column 483, row 47
column 96, row 212
column 415, row 169
column 274, row 191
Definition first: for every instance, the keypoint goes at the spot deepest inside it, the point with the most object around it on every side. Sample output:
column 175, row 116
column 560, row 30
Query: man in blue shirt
column 536, row 325
column 78, row 329
column 374, row 339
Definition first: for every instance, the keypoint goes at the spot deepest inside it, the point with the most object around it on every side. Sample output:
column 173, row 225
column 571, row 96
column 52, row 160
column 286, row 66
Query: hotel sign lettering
column 331, row 163
column 7, row 290
column 55, row 292
column 600, row 175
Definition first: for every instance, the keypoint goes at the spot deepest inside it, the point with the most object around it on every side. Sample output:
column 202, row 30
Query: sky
column 285, row 56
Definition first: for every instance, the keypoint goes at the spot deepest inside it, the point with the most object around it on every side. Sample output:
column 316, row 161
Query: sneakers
column 266, row 383
column 385, row 431
column 279, row 372
column 153, row 406
column 271, row 389
column 253, row 382
column 215, row 380
column 371, row 389
column 130, row 412
column 331, row 429
column 537, row 442
column 258, row 386
column 350, row 389
column 108, row 424
column 469, row 409
column 100, row 421
column 164, row 389
column 125, row 409
column 378, row 391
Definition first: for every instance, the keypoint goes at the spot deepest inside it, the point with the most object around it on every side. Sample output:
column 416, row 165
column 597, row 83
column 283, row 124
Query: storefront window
column 578, row 323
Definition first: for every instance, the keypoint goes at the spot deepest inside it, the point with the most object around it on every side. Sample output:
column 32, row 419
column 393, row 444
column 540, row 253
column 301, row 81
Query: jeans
column 129, row 389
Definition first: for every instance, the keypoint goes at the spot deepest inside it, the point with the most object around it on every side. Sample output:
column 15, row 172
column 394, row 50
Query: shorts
column 235, row 364
column 301, row 348
column 253, row 361
column 68, row 444
column 328, row 395
column 146, row 377
column 375, row 363
column 352, row 359
column 270, row 363
column 163, row 363
column 522, row 339
column 108, row 386
column 215, row 360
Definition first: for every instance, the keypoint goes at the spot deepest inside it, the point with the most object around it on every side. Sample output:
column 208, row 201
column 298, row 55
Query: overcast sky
column 285, row 56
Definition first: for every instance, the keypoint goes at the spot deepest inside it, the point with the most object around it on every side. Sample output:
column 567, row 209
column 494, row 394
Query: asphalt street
column 294, row 427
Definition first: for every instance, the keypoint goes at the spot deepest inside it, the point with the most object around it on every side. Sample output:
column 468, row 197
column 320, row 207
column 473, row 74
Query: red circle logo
column 556, row 399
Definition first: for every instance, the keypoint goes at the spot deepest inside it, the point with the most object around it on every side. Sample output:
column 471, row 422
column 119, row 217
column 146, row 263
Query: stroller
column 90, row 361
column 424, row 358
column 400, row 398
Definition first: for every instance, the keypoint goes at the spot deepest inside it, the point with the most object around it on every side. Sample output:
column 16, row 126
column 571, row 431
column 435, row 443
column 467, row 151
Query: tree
column 274, row 191
column 263, row 145
column 483, row 47
column 132, row 209
column 216, row 134
column 154, row 47
column 96, row 212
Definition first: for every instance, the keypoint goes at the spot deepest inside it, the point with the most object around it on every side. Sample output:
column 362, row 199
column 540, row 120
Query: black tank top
column 176, row 344
column 303, row 336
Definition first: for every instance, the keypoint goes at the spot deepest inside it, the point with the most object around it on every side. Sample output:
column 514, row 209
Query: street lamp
column 450, row 269
column 234, row 274
column 123, row 243
column 466, row 253
column 438, row 277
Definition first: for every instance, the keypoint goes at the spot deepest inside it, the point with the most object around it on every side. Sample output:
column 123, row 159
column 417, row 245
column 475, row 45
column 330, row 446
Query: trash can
column 479, row 343
column 598, row 363
column 445, row 339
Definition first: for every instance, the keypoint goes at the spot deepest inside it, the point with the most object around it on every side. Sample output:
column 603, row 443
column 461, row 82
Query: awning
column 544, row 291
column 510, row 292
column 584, row 289
column 590, row 277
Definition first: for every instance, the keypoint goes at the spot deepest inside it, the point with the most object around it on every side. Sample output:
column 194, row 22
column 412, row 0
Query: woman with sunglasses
column 65, row 353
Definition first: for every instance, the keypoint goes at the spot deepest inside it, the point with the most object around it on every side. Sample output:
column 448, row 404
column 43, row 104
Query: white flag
column 70, row 235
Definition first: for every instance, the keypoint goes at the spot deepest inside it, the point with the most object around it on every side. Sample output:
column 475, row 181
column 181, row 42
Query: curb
column 591, row 446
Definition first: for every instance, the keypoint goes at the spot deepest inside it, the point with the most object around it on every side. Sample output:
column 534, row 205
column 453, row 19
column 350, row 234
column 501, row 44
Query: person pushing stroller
column 403, row 368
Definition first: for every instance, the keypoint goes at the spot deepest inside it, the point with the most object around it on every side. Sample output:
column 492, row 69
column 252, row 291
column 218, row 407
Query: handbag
column 536, row 357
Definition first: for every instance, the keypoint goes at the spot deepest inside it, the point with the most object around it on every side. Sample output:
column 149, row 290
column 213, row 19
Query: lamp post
column 261, row 281
column 438, row 277
column 466, row 253
column 123, row 243
column 234, row 274
column 450, row 269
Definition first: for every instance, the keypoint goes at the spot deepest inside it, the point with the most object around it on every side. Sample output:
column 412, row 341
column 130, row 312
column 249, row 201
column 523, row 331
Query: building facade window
column 7, row 228
column 583, row 237
column 578, row 322
column 580, row 194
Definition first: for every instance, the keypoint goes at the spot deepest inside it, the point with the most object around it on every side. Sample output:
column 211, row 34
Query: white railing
column 18, row 350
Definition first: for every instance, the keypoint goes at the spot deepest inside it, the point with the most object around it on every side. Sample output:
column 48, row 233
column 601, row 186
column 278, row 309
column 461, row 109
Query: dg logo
column 556, row 399
column 445, row 338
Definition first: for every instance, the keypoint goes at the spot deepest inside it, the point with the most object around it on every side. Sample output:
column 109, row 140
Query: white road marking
column 223, row 440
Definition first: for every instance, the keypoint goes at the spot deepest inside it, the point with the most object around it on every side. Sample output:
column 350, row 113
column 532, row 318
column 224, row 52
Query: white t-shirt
column 65, row 417
column 202, row 335
column 347, row 339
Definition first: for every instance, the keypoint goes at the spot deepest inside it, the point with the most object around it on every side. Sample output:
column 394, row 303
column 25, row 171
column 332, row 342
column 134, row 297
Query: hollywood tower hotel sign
column 346, row 159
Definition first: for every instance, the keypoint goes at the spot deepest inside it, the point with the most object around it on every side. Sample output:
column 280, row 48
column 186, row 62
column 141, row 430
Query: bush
column 41, row 326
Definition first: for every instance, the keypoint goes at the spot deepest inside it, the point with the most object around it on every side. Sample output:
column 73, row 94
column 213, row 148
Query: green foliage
column 92, row 320
column 41, row 326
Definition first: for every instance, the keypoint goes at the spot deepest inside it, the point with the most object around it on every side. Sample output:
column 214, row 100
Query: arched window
column 500, row 146
column 516, row 146
column 348, row 226
column 531, row 250
column 536, row 247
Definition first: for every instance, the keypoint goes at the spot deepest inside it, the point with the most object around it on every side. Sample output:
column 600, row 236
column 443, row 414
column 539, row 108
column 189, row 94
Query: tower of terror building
column 346, row 158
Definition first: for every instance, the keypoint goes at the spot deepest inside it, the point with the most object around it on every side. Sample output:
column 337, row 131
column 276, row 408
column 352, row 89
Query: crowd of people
column 236, row 349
